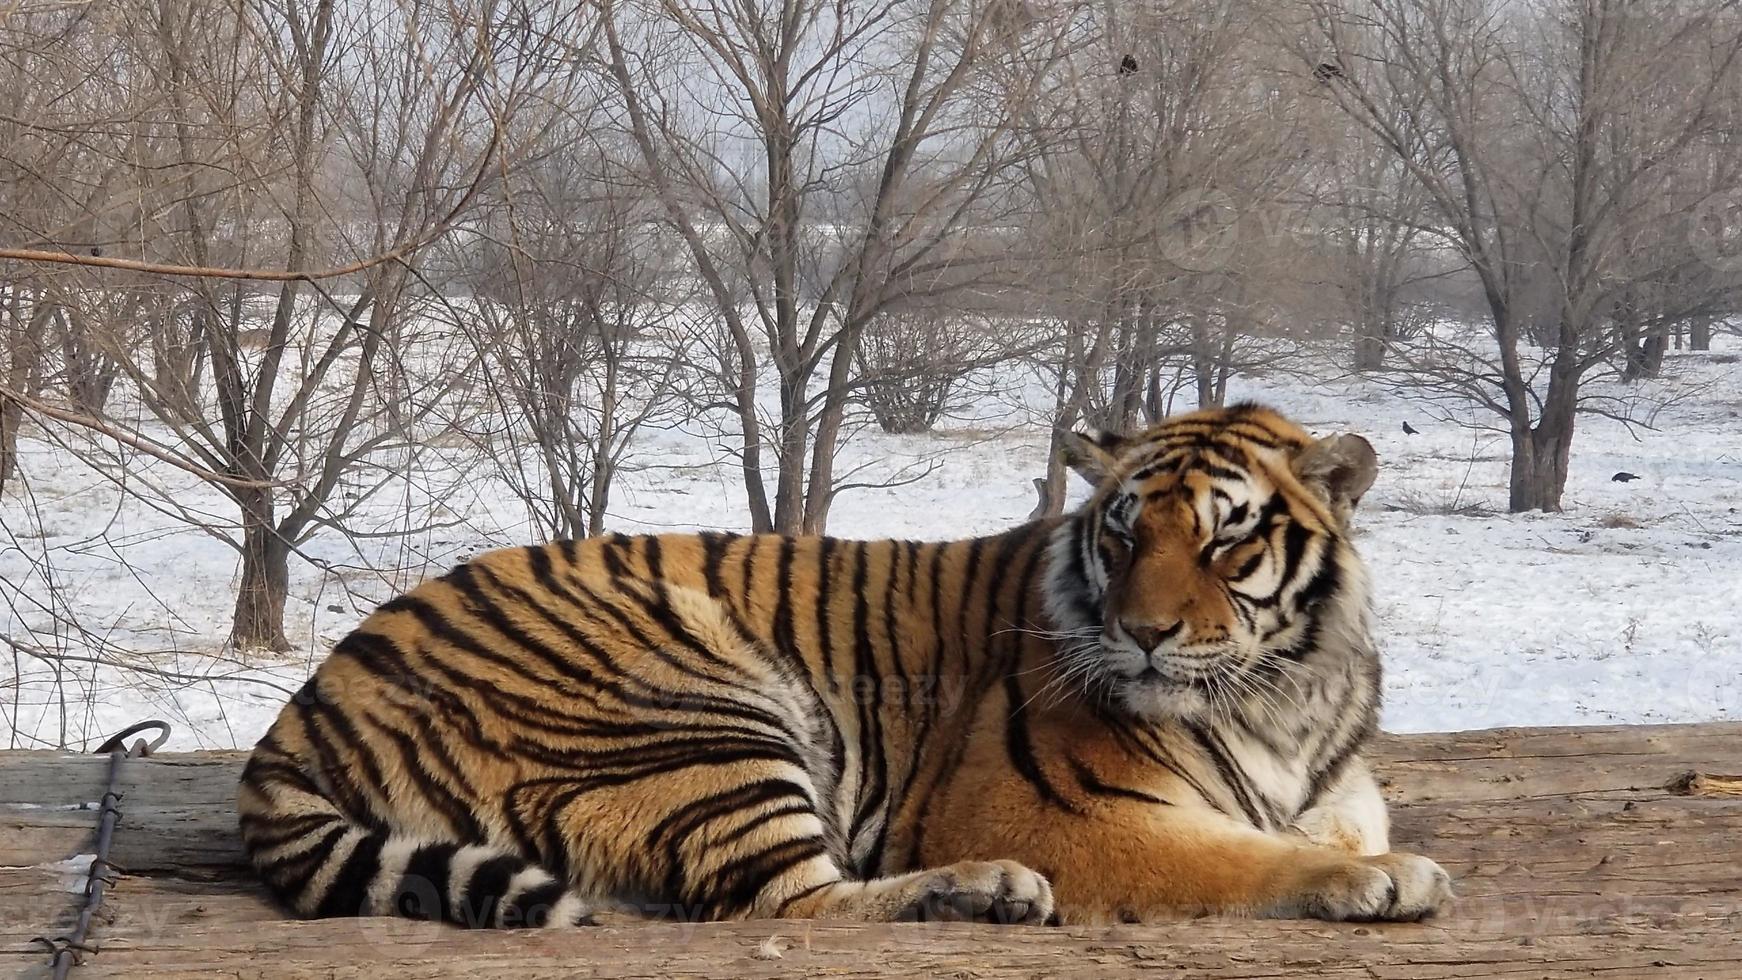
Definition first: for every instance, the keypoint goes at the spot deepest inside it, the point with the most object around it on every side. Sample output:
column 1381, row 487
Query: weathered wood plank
column 359, row 948
column 1578, row 853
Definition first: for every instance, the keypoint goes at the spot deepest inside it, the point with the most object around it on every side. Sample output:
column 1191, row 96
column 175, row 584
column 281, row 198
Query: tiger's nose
column 1149, row 636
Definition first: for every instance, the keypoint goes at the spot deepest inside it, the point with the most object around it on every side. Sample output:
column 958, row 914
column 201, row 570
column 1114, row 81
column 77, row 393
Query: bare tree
column 1163, row 163
column 1544, row 138
column 750, row 120
column 580, row 323
column 283, row 137
column 913, row 364
column 1371, row 213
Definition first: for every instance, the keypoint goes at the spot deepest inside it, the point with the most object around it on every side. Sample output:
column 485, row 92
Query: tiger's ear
column 1091, row 453
column 1338, row 468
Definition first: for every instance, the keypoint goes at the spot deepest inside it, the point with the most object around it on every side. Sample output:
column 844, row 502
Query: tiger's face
column 1213, row 550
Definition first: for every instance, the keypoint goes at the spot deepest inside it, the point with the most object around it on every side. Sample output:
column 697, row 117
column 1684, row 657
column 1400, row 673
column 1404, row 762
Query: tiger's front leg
column 1133, row 866
column 1349, row 815
column 1126, row 857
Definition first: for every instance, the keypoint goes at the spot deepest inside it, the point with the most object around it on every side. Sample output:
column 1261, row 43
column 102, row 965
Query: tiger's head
column 1213, row 550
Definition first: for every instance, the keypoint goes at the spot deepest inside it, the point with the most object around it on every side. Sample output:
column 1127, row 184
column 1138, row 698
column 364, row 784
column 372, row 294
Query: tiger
column 1154, row 705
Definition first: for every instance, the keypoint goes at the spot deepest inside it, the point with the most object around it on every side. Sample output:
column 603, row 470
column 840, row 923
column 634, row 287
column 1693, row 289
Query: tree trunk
column 23, row 373
column 11, row 413
column 90, row 371
column 11, row 417
column 1643, row 346
column 1700, row 334
column 1650, row 355
column 794, row 423
column 1051, row 490
column 1540, row 456
column 1128, row 373
column 604, row 458
column 259, row 618
column 1204, row 368
column 820, row 495
column 1369, row 348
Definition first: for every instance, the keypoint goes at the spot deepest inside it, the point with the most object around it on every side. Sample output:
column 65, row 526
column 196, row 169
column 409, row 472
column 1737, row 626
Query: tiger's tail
column 321, row 862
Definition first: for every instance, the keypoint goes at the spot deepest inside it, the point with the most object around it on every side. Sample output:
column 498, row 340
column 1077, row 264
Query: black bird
column 1623, row 477
column 1127, row 65
column 1408, row 429
column 1327, row 71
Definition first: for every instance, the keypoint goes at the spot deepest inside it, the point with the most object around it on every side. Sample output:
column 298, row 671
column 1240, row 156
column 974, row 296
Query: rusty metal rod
column 68, row 947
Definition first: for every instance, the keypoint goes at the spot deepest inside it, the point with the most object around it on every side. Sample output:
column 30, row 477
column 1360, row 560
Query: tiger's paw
column 1393, row 887
column 981, row 891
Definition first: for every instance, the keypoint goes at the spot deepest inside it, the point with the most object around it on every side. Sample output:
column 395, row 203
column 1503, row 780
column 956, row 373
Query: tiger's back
column 633, row 716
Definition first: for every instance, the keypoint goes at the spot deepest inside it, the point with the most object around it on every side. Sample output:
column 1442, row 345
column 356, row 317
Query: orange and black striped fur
column 1155, row 705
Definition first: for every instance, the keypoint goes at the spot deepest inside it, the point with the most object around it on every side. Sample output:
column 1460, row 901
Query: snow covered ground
column 1627, row 607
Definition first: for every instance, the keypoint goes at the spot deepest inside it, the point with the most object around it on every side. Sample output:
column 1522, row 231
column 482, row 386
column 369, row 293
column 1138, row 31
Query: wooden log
column 1577, row 853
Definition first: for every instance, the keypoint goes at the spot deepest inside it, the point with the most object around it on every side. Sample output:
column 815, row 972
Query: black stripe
column 784, row 640
column 452, row 807
column 1245, row 795
column 732, row 889
column 757, row 821
column 268, row 832
column 1294, row 544
column 748, row 567
column 936, row 584
column 422, row 892
column 1327, row 774
column 801, row 894
column 1021, row 750
column 483, row 894
column 608, row 551
column 1322, row 586
column 658, row 608
column 1027, row 586
column 346, row 893
column 533, row 907
column 541, row 715
column 381, row 656
column 714, row 545
column 932, row 707
column 583, row 683
column 865, row 676
column 1248, row 566
column 669, row 837
column 341, row 776
column 1218, row 471
column 264, row 772
column 825, row 642
column 539, row 560
column 658, row 698
column 1003, row 565
column 679, row 826
column 964, row 635
column 898, row 671
column 291, row 876
column 1147, row 744
column 1092, row 785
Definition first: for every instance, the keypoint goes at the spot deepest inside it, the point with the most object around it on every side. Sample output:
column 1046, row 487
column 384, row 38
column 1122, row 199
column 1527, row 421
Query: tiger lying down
column 1154, row 706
